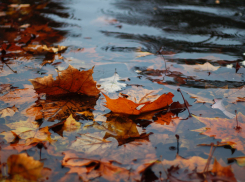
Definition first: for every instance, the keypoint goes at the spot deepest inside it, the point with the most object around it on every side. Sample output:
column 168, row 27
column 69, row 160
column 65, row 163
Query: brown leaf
column 70, row 80
column 123, row 129
column 61, row 107
column 24, row 166
column 125, row 106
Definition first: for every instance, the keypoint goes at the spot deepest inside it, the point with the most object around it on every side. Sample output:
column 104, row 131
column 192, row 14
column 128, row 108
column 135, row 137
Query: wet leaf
column 123, row 129
column 71, row 124
column 141, row 95
column 125, row 106
column 37, row 49
column 221, row 172
column 61, row 107
column 24, row 166
column 205, row 67
column 89, row 169
column 28, row 131
column 224, row 129
column 20, row 96
column 94, row 145
column 70, row 80
column 9, row 111
column 111, row 84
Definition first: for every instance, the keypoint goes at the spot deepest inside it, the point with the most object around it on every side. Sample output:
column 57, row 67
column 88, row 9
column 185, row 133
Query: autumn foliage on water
column 70, row 125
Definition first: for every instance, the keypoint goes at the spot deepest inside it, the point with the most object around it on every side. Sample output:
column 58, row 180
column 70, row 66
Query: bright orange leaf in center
column 125, row 106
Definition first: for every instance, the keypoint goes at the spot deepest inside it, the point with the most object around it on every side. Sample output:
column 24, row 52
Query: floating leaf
column 70, row 80
column 125, row 106
column 111, row 84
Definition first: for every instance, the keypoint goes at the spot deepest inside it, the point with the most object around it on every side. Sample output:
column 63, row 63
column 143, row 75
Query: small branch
column 185, row 102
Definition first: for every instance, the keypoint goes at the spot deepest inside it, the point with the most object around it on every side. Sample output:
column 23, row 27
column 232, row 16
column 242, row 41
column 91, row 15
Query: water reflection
column 192, row 30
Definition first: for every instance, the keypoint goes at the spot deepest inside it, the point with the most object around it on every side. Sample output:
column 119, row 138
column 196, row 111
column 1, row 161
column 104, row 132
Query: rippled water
column 110, row 33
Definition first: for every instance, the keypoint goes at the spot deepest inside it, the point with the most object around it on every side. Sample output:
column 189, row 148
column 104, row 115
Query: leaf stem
column 238, row 128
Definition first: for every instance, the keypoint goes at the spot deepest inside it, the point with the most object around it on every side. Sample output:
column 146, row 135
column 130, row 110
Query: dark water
column 110, row 33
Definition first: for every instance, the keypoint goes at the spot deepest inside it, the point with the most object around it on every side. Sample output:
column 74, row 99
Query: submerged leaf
column 224, row 129
column 89, row 169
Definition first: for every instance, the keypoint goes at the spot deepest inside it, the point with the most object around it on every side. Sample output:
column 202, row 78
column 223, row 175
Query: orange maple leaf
column 125, row 106
column 70, row 80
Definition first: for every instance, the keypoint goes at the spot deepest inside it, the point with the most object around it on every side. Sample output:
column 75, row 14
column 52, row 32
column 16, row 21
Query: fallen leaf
column 205, row 67
column 89, row 169
column 221, row 173
column 20, row 96
column 141, row 95
column 224, row 129
column 235, row 95
column 125, row 106
column 123, row 129
column 71, row 125
column 28, row 131
column 94, row 145
column 24, row 166
column 111, row 84
column 5, row 88
column 200, row 99
column 193, row 163
column 42, row 49
column 9, row 111
column 70, row 80
column 61, row 107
